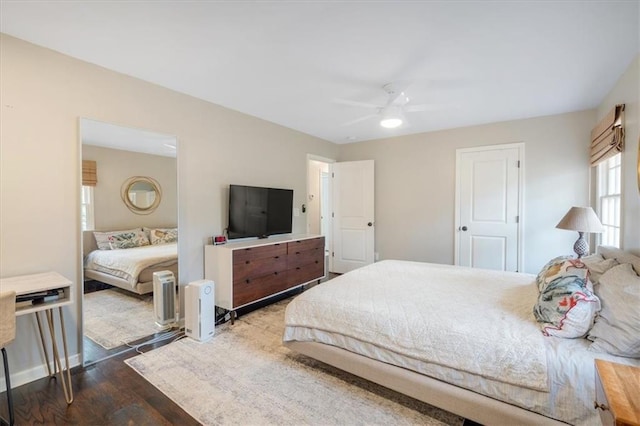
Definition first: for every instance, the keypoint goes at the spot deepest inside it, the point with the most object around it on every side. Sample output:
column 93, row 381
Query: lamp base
column 581, row 246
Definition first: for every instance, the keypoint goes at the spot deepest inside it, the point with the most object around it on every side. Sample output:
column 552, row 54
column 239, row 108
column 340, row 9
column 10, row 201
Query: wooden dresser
column 618, row 393
column 248, row 271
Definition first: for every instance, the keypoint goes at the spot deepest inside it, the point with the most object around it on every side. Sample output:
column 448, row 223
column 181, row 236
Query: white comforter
column 128, row 263
column 473, row 320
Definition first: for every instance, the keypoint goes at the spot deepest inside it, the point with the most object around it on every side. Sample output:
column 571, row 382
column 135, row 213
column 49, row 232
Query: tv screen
column 259, row 212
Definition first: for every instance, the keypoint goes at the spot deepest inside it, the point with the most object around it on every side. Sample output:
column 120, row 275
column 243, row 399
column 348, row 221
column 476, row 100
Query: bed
column 130, row 266
column 462, row 339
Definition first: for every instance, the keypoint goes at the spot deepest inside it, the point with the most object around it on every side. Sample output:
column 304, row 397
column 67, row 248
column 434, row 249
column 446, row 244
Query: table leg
column 66, row 382
column 44, row 346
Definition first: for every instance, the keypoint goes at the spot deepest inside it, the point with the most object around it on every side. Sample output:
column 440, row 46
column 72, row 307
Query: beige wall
column 43, row 96
column 415, row 185
column 627, row 91
column 114, row 168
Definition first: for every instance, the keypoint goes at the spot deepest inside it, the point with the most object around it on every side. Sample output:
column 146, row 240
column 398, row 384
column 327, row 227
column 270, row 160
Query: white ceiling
column 286, row 62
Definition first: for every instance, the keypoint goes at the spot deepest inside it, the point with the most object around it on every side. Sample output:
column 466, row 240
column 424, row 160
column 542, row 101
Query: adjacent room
column 325, row 213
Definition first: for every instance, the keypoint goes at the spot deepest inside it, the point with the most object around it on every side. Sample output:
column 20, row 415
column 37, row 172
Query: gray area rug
column 245, row 376
column 113, row 317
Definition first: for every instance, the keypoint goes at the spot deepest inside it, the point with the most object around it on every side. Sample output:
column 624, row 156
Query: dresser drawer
column 253, row 253
column 253, row 268
column 305, row 273
column 304, row 257
column 253, row 289
column 602, row 404
column 303, row 245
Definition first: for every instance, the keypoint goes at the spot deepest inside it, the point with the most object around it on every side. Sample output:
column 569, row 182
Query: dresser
column 248, row 271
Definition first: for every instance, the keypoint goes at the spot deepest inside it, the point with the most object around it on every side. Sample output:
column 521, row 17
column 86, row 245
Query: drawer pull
column 602, row 407
column 277, row 257
column 275, row 273
column 248, row 281
column 297, row 268
column 297, row 252
column 317, row 261
column 247, row 262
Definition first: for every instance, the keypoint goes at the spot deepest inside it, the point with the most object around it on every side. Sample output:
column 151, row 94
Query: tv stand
column 249, row 271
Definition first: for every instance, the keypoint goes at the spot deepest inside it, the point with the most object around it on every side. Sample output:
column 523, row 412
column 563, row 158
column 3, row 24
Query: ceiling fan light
column 391, row 122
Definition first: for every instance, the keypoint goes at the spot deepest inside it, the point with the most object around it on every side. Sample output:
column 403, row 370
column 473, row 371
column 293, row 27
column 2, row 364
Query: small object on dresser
column 219, row 239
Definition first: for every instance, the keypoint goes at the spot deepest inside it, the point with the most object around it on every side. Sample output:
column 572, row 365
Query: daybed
column 130, row 268
column 465, row 340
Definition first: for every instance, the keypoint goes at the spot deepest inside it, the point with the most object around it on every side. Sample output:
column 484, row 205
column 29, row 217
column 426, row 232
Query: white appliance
column 164, row 298
column 199, row 310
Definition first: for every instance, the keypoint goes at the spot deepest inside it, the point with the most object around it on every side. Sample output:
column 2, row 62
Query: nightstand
column 617, row 393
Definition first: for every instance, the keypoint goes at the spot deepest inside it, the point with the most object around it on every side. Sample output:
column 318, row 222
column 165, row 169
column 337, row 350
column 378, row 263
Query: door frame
column 521, row 186
column 313, row 157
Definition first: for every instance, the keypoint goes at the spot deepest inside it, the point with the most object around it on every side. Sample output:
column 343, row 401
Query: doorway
column 488, row 210
column 318, row 203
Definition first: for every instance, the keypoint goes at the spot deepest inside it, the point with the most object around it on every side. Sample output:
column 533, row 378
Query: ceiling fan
column 392, row 113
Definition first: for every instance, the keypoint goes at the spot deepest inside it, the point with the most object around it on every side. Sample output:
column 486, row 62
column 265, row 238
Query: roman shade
column 89, row 173
column 607, row 138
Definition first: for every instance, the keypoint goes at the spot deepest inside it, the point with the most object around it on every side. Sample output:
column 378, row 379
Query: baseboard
column 32, row 374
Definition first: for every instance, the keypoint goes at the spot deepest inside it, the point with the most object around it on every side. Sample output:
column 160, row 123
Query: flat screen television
column 259, row 212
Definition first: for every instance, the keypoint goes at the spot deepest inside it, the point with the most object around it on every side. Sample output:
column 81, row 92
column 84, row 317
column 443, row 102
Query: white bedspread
column 472, row 320
column 128, row 263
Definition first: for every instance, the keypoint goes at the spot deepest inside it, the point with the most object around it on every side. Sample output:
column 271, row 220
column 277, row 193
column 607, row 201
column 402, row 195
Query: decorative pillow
column 566, row 305
column 617, row 328
column 560, row 266
column 597, row 266
column 163, row 235
column 121, row 239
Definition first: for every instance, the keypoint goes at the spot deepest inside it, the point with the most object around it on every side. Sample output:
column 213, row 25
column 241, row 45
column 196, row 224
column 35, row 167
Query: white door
column 488, row 218
column 353, row 215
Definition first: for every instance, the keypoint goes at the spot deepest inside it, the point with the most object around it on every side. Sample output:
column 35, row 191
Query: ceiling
column 288, row 62
column 112, row 136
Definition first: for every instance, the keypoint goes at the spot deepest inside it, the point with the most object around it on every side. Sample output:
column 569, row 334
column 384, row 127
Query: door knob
column 463, row 228
column 370, row 224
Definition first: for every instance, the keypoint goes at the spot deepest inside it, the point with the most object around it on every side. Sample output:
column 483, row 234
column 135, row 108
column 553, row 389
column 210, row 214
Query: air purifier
column 164, row 298
column 199, row 307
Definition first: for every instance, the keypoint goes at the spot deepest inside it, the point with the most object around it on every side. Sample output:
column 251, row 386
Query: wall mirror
column 141, row 194
column 129, row 187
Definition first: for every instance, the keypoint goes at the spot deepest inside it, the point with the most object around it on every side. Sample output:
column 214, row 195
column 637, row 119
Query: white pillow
column 121, row 239
column 620, row 256
column 597, row 266
column 617, row 328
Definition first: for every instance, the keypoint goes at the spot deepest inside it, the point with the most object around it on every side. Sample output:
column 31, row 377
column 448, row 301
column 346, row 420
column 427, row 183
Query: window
column 609, row 177
column 86, row 208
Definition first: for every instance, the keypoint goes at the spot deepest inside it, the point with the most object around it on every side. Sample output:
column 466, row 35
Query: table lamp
column 581, row 219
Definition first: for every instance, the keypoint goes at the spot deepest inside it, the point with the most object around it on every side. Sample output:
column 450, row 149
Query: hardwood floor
column 106, row 393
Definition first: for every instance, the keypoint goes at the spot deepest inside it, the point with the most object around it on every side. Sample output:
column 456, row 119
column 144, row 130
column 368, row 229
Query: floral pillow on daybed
column 163, row 235
column 566, row 305
column 121, row 239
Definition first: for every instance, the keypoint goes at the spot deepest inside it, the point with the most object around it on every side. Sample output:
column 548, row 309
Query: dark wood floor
column 106, row 393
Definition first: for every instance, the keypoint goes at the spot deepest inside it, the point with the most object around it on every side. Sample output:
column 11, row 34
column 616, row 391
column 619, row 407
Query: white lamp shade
column 391, row 117
column 581, row 219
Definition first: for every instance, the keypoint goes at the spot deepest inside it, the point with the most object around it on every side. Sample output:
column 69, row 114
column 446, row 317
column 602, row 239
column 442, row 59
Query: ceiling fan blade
column 421, row 107
column 358, row 120
column 356, row 103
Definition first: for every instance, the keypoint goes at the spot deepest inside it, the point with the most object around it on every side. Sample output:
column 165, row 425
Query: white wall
column 43, row 96
column 627, row 91
column 114, row 167
column 415, row 185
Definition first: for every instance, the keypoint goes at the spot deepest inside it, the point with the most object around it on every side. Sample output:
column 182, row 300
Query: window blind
column 607, row 138
column 89, row 173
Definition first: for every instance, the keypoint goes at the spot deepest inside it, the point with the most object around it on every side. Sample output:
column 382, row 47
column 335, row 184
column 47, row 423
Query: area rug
column 245, row 376
column 113, row 317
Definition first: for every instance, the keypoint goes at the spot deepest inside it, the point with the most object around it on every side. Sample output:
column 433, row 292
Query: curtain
column 89, row 173
column 607, row 138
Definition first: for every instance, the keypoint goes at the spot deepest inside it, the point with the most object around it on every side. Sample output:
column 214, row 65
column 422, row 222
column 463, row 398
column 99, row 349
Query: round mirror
column 141, row 194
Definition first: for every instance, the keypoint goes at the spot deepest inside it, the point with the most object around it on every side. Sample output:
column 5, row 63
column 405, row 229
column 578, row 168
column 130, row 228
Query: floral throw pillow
column 566, row 306
column 121, row 239
column 163, row 235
